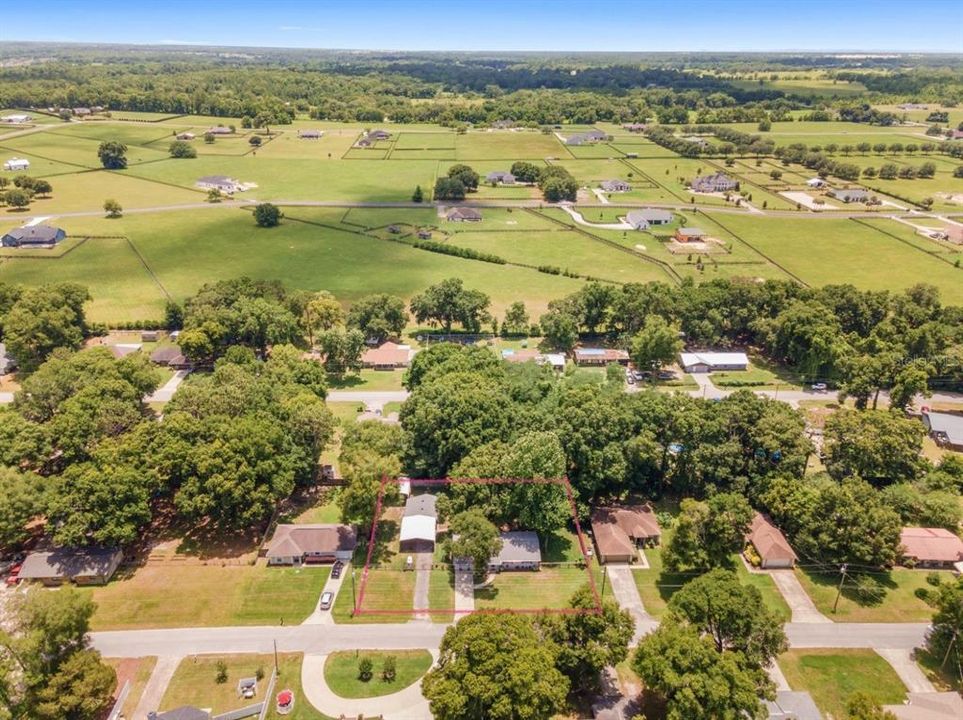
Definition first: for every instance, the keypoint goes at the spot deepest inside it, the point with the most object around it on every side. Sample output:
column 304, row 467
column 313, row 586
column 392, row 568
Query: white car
column 819, row 387
column 326, row 599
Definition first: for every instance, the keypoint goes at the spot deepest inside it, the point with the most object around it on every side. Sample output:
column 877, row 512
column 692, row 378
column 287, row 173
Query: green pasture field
column 129, row 133
column 39, row 166
column 821, row 86
column 909, row 235
column 187, row 249
column 287, row 144
column 425, row 141
column 838, row 251
column 68, row 148
column 506, row 145
column 153, row 117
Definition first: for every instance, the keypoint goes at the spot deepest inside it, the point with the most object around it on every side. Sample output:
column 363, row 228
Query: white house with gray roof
column 645, row 218
column 520, row 551
column 586, row 138
column 946, row 429
column 615, row 186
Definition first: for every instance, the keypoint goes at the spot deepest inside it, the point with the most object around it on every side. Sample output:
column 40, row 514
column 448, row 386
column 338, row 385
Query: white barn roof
column 714, row 358
column 417, row 527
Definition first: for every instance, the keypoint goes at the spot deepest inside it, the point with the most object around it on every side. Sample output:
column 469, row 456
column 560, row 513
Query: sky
column 540, row 25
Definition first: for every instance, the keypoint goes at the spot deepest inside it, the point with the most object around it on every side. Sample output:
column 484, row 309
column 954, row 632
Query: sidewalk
column 150, row 699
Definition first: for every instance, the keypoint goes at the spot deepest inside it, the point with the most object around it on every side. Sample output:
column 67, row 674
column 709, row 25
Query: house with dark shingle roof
column 501, row 177
column 615, row 186
column 43, row 236
column 311, row 544
column 585, row 138
column 463, row 214
column 619, row 530
column 84, row 566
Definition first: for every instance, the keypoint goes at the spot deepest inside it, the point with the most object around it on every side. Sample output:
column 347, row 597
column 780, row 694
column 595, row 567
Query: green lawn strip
column 549, row 588
column 899, row 605
column 341, row 672
column 391, row 590
column 209, row 595
column 392, row 407
column 368, row 380
column 346, row 412
column 941, row 677
column 771, row 596
column 832, row 676
column 761, row 375
column 441, row 595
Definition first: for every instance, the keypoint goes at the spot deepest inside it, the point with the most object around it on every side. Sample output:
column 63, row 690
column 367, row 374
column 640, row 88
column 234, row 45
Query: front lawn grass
column 391, row 591
column 441, row 595
column 941, row 677
column 832, row 676
column 368, row 380
column 899, row 605
column 341, row 672
column 550, row 588
column 771, row 597
column 207, row 596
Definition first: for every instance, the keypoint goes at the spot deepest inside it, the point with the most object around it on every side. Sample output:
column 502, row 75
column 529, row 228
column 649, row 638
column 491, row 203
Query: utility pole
column 354, row 599
column 277, row 671
column 842, row 579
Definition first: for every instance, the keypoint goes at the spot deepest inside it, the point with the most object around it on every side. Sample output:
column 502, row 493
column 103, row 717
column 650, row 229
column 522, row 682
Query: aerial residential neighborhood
column 516, row 361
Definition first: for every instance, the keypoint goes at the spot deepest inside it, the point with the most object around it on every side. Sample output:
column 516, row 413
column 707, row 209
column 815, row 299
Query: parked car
column 819, row 387
column 666, row 375
column 336, row 569
column 641, row 375
column 326, row 599
column 629, row 378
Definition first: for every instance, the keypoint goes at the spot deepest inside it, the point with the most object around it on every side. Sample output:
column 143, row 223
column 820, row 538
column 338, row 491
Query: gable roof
column 931, row 544
column 691, row 232
column 945, row 424
column 388, row 353
column 70, row 563
column 713, row 359
column 518, row 547
column 768, row 540
column 293, row 540
column 463, row 213
column 648, row 215
column 637, row 522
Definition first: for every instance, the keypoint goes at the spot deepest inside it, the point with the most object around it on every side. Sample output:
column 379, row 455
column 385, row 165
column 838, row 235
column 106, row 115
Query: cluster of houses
column 16, row 164
column 717, row 182
column 33, row 236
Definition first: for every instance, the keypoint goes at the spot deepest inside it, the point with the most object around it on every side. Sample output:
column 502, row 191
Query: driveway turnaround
column 803, row 609
column 407, row 704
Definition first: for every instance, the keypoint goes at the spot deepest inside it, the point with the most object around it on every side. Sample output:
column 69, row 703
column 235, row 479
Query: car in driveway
column 819, row 387
column 336, row 569
column 327, row 598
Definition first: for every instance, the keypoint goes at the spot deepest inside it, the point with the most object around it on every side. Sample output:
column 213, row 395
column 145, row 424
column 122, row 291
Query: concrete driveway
column 627, row 594
column 907, row 669
column 803, row 609
column 332, row 585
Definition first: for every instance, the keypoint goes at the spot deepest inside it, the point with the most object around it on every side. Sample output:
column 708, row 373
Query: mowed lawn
column 195, row 683
column 341, row 672
column 188, row 595
column 837, row 251
column 832, row 676
column 190, row 248
column 389, row 592
column 899, row 605
column 549, row 588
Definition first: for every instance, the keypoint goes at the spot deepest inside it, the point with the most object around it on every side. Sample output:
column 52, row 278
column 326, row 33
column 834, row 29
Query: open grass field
column 208, row 595
column 549, row 588
column 899, row 605
column 833, row 676
column 837, row 251
column 341, row 672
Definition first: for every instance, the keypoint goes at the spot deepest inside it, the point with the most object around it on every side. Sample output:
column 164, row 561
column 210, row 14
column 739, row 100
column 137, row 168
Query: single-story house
column 220, row 182
column 170, row 356
column 912, row 106
column 946, row 429
column 717, row 182
column 592, row 136
column 850, row 195
column 34, row 236
column 16, row 164
column 646, row 217
column 220, row 130
column 387, row 356
column 520, row 551
column 17, row 119
column 816, row 183
column 770, row 544
column 520, row 356
column 635, row 127
column 463, row 214
column 82, row 111
column 149, row 336
column 600, row 356
column 501, row 177
column 419, row 523
column 378, row 134
column 619, row 530
column 612, row 186
column 84, row 566
column 185, row 136
column 700, row 362
column 555, row 360
column 185, row 712
column 793, row 705
column 8, row 363
column 310, row 134
column 690, row 234
column 931, row 547
column 929, row 706
column 311, row 544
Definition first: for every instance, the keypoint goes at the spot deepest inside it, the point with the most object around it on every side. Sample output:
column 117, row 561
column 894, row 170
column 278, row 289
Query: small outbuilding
column 419, row 524
column 34, row 236
column 520, row 551
column 311, row 544
column 220, row 130
column 463, row 214
column 770, row 544
column 690, row 234
column 931, row 547
column 84, row 566
column 185, row 136
column 816, row 183
column 703, row 362
column 310, row 134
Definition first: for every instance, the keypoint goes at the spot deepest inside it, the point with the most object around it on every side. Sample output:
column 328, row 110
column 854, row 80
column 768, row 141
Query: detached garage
column 418, row 525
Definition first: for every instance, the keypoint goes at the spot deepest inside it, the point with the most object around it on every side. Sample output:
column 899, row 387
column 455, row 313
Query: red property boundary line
column 428, row 482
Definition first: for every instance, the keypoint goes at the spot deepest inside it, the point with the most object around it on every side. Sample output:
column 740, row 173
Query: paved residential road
column 323, row 639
